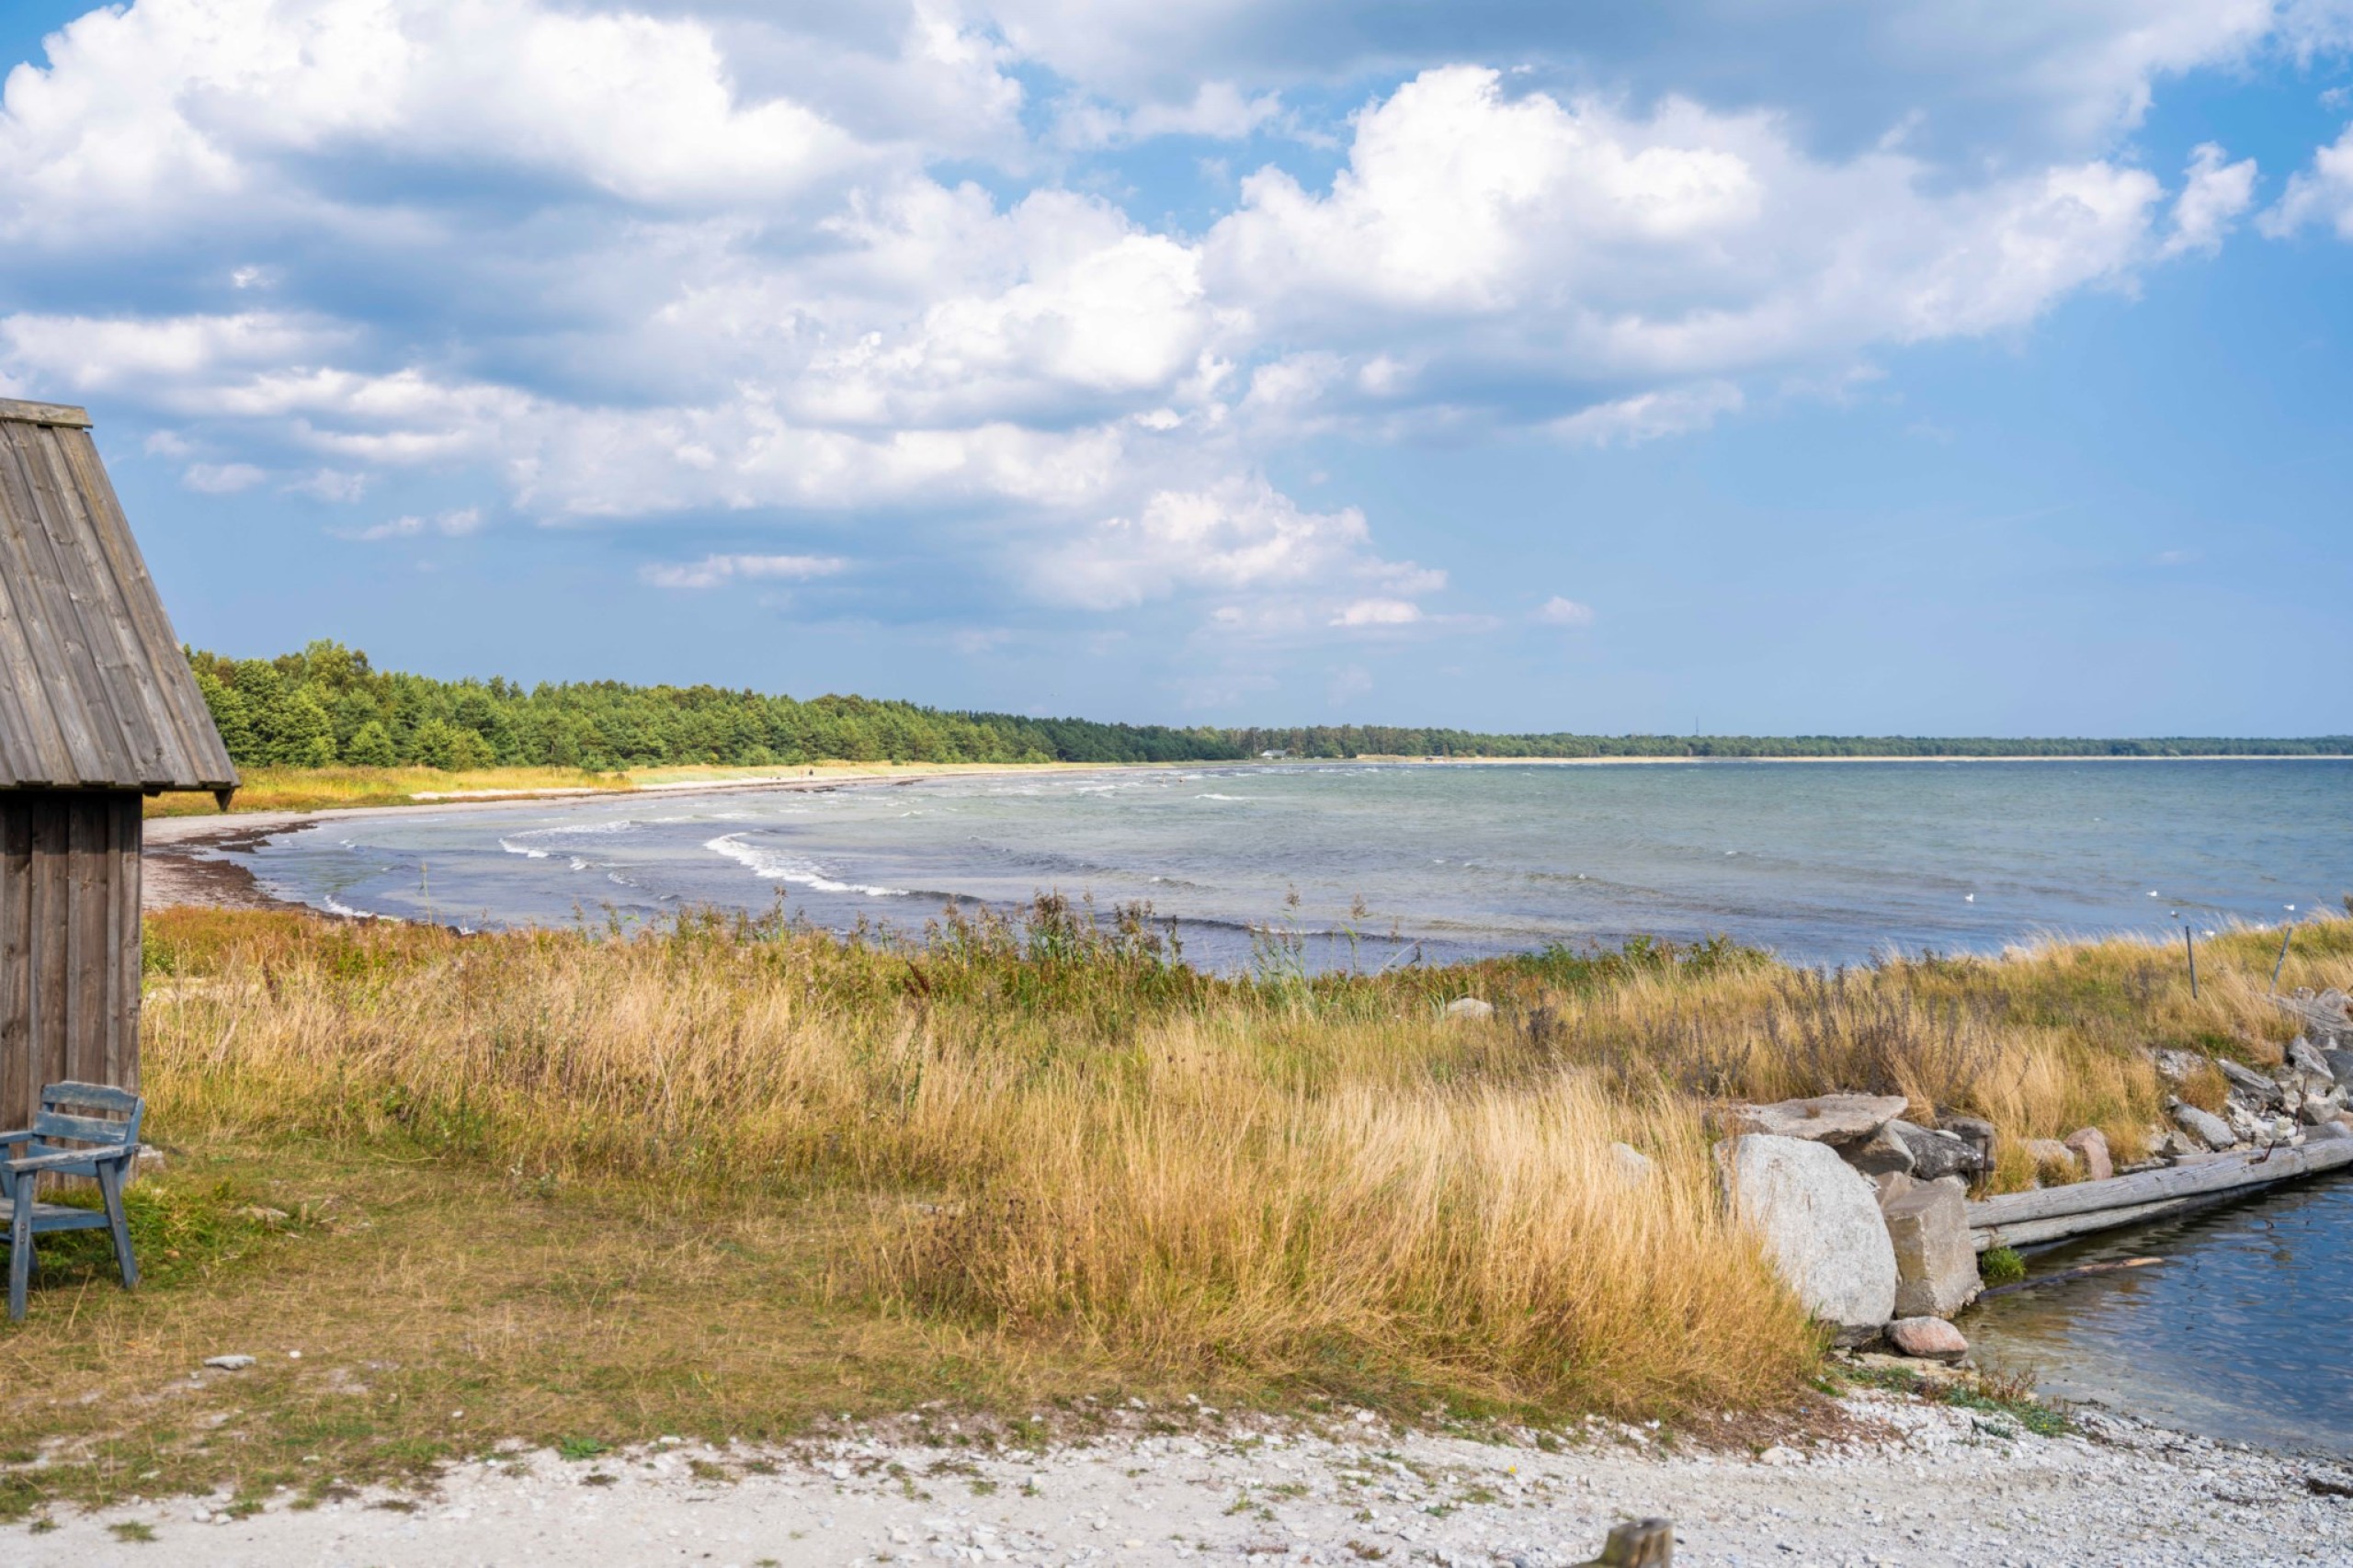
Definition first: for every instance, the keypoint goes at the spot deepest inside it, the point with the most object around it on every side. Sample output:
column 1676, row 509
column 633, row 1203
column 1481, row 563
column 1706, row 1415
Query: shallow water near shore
column 1824, row 863
column 2238, row 1334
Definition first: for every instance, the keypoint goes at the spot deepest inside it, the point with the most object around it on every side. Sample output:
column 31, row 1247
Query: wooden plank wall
column 69, row 943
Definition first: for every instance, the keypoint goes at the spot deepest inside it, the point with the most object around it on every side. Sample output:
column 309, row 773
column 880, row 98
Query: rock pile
column 2302, row 1100
column 1864, row 1213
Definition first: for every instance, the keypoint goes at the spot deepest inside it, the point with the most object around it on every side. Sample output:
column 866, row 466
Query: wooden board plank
column 77, row 1129
column 109, row 899
column 44, row 413
column 26, row 645
column 72, row 1094
column 19, row 1095
column 88, row 969
column 133, row 698
column 116, row 730
column 61, row 665
column 29, row 746
column 47, row 1003
column 198, row 757
column 123, row 1065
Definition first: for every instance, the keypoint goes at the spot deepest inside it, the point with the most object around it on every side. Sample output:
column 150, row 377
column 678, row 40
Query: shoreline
column 179, row 867
column 1901, row 1480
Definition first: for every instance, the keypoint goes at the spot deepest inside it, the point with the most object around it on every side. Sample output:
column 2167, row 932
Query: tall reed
column 1047, row 1128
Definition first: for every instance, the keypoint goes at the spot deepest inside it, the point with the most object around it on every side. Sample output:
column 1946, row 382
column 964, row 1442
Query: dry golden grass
column 730, row 1177
column 1188, row 1176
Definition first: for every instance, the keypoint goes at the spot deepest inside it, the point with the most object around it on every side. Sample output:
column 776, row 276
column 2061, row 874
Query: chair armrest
column 9, row 1138
column 62, row 1158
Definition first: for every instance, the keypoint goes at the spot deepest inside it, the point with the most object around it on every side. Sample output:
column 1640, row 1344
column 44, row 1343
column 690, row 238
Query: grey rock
column 2258, row 1089
column 1819, row 1223
column 1470, row 1007
column 1975, row 1131
column 2340, row 1066
column 1927, row 1339
column 2090, row 1145
column 2177, row 1066
column 2304, row 1059
column 2051, row 1152
column 2204, row 1128
column 1826, row 1119
column 2329, row 1132
column 1881, row 1153
column 1936, row 1260
column 1938, row 1154
column 1891, row 1186
column 1633, row 1165
column 229, row 1363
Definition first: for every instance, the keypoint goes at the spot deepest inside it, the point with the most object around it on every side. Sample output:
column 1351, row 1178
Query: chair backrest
column 88, row 1113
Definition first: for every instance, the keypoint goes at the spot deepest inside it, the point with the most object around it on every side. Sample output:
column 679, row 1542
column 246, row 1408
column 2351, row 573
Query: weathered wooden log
column 2034, row 1232
column 2121, row 1200
column 1641, row 1543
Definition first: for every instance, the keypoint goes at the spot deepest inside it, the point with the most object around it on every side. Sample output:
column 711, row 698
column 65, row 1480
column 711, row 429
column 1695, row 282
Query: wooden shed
column 98, row 710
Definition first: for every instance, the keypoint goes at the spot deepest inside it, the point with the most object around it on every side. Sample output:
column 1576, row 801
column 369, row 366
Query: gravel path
column 1932, row 1485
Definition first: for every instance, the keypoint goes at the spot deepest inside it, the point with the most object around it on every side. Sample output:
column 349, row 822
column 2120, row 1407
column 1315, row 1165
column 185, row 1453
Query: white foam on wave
column 784, row 869
column 523, row 849
column 1206, row 795
column 580, row 865
column 335, row 905
column 574, row 830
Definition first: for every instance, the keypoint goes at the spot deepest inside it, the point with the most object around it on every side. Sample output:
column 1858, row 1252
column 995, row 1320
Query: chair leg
column 20, row 1256
column 111, row 1184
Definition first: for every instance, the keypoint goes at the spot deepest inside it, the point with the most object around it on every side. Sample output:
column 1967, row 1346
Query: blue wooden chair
column 85, row 1130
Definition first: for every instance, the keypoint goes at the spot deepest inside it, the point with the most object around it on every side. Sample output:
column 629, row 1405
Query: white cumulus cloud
column 2321, row 194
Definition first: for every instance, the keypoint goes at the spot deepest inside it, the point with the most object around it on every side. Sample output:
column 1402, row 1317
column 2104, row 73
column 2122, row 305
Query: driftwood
column 1644, row 1543
column 2020, row 1219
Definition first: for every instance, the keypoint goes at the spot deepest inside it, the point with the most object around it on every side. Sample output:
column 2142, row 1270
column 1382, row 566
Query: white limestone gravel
column 1929, row 1484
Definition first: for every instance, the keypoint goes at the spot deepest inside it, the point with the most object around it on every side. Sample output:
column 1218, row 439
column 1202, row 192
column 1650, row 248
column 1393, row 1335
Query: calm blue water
column 1822, row 862
column 2239, row 1334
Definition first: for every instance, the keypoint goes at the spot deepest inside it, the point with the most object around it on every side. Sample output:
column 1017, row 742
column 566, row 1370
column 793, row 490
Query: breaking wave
column 802, row 873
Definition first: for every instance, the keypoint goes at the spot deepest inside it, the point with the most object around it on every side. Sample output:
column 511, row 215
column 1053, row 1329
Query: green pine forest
column 328, row 706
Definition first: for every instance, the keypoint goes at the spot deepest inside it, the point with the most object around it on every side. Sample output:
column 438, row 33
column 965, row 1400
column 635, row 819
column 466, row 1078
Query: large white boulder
column 1820, row 1223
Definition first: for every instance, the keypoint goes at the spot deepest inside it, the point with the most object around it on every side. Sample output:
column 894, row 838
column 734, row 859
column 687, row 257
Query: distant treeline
column 327, row 704
column 1378, row 740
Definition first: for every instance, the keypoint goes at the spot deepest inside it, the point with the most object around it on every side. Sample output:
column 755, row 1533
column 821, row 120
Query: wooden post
column 2285, row 937
column 2190, row 945
column 1642, row 1543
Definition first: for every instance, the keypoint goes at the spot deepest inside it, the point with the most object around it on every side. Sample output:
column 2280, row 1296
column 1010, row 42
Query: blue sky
column 1857, row 368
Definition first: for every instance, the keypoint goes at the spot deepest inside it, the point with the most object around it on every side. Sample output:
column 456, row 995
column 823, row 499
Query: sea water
column 1369, row 864
column 2237, row 1332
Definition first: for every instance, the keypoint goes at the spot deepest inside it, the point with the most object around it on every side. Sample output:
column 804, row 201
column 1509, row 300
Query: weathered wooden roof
column 97, row 694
